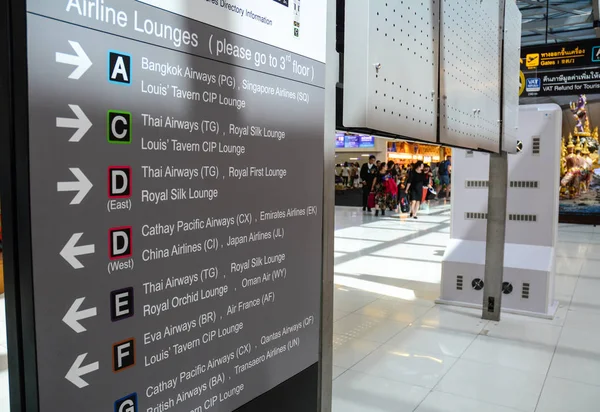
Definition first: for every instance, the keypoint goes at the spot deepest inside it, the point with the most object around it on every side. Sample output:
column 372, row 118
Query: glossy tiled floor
column 396, row 351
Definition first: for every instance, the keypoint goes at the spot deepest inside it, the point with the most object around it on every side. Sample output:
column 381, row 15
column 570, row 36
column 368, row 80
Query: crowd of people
column 389, row 186
column 348, row 174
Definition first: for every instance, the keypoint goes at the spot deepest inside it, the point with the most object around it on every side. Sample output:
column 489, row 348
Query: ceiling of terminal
column 557, row 21
column 568, row 20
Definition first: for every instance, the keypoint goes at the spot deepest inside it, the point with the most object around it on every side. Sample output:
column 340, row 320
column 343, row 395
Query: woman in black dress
column 414, row 188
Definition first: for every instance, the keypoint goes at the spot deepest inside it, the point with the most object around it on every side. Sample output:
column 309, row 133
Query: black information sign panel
column 175, row 184
column 562, row 69
column 561, row 56
column 561, row 82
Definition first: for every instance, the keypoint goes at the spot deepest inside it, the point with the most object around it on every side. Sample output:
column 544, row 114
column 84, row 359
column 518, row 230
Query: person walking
column 429, row 192
column 355, row 174
column 392, row 169
column 443, row 172
column 368, row 172
column 414, row 188
column 435, row 175
column 345, row 174
column 385, row 189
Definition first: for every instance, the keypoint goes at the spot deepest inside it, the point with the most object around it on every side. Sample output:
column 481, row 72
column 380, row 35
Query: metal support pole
column 497, row 196
column 496, row 234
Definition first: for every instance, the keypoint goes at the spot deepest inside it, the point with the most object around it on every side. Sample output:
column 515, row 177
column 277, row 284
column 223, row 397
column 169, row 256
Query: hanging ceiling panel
column 511, row 85
column 391, row 67
column 470, row 75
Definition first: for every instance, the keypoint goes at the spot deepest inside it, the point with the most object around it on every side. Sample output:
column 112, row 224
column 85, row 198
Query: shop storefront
column 356, row 148
column 407, row 153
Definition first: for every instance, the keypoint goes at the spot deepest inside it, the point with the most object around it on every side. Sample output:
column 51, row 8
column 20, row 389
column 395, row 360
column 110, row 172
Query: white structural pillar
column 531, row 220
column 326, row 355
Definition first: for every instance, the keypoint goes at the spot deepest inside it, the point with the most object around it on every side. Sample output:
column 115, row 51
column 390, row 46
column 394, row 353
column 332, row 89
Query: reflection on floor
column 4, row 399
column 396, row 351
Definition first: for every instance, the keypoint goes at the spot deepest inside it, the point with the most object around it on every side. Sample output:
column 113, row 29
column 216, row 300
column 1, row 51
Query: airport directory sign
column 367, row 141
column 561, row 56
column 354, row 141
column 176, row 252
column 564, row 82
column 563, row 69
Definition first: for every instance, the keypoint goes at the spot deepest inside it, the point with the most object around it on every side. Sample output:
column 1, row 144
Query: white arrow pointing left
column 74, row 315
column 81, row 60
column 71, row 251
column 82, row 186
column 77, row 371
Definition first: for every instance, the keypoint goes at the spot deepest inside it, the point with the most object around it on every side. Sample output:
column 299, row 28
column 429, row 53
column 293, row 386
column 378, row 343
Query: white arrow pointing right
column 71, row 251
column 82, row 186
column 81, row 60
column 77, row 371
column 74, row 315
column 82, row 123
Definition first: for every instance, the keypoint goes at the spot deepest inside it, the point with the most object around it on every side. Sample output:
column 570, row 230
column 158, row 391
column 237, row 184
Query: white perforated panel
column 512, row 55
column 470, row 83
column 391, row 66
